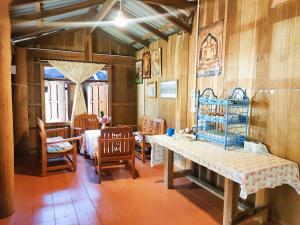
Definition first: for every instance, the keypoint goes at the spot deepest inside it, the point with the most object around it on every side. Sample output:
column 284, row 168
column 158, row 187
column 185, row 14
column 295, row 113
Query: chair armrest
column 65, row 140
column 77, row 128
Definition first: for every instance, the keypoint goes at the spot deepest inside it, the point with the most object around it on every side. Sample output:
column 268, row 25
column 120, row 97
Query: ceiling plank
column 46, row 27
column 101, row 14
column 145, row 25
column 17, row 20
column 182, row 25
column 133, row 37
column 181, row 4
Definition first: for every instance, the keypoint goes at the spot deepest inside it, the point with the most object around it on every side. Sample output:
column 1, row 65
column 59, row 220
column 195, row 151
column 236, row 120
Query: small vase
column 103, row 125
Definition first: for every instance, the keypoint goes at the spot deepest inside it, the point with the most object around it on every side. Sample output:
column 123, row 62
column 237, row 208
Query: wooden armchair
column 85, row 122
column 148, row 126
column 56, row 147
column 116, row 145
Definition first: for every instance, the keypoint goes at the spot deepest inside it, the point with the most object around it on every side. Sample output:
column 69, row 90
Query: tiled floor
column 77, row 198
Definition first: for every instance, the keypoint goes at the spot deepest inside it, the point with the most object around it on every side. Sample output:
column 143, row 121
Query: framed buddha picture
column 146, row 65
column 210, row 50
column 156, row 62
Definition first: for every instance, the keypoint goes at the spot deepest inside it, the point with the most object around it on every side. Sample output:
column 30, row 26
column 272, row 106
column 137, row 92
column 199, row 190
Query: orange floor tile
column 77, row 198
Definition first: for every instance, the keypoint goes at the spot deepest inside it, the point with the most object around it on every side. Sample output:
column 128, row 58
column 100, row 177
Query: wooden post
column 231, row 197
column 261, row 200
column 6, row 118
column 168, row 168
column 20, row 104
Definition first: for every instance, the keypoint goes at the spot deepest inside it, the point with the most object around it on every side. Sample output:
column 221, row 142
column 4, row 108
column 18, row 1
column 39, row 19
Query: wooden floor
column 77, row 198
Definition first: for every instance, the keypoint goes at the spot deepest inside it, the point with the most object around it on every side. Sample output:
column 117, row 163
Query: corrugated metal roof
column 137, row 8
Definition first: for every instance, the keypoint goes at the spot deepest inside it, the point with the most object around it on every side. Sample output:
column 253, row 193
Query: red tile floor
column 77, row 198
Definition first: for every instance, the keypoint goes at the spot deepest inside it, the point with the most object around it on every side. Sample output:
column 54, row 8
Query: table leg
column 168, row 168
column 261, row 200
column 231, row 195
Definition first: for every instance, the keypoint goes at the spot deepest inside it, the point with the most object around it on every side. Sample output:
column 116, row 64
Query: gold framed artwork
column 156, row 62
column 146, row 65
column 151, row 90
column 139, row 72
column 210, row 47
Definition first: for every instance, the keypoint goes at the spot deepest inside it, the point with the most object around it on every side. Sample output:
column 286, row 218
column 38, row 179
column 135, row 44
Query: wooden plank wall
column 174, row 63
column 123, row 88
column 262, row 54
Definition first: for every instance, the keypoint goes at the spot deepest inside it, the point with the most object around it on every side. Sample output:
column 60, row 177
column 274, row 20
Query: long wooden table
column 244, row 172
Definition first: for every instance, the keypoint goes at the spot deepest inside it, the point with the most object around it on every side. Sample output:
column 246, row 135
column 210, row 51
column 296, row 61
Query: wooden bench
column 85, row 122
column 116, row 145
column 56, row 147
column 148, row 126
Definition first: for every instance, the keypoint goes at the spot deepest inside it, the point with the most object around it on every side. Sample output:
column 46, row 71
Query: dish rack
column 223, row 121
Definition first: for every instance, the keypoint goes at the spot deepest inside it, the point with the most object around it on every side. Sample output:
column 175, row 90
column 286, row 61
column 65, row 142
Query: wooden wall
column 121, row 75
column 262, row 54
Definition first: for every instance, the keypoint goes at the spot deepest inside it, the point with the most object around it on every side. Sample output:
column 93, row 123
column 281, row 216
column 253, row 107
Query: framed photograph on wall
column 151, row 90
column 168, row 89
column 139, row 72
column 146, row 65
column 156, row 63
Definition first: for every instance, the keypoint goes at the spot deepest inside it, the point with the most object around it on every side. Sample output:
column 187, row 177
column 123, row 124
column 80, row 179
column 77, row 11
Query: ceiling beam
column 145, row 25
column 20, row 2
column 182, row 25
column 17, row 20
column 180, row 4
column 102, row 13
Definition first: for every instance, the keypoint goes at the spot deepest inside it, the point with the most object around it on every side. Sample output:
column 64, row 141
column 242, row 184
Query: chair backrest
column 115, row 142
column 41, row 130
column 152, row 126
column 87, row 122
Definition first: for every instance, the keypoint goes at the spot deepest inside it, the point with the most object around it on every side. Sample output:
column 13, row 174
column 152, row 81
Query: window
column 59, row 93
column 97, row 97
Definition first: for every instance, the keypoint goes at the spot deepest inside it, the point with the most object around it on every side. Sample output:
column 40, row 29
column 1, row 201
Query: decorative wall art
column 168, row 89
column 156, row 63
column 139, row 72
column 146, row 65
column 151, row 87
column 210, row 47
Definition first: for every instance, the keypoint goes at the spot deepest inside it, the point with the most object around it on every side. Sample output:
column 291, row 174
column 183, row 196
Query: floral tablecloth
column 90, row 142
column 252, row 171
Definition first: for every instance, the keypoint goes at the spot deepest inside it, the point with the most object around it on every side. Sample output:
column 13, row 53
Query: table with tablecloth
column 90, row 142
column 243, row 170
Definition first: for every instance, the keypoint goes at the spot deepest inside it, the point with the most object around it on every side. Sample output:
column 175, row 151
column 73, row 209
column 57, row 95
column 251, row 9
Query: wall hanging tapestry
column 156, row 62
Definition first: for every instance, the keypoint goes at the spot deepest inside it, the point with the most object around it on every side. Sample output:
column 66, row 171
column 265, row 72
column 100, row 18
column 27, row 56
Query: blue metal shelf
column 223, row 121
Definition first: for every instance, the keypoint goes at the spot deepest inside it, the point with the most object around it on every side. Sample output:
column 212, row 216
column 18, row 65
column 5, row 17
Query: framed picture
column 146, row 65
column 209, row 61
column 151, row 88
column 156, row 62
column 168, row 89
column 139, row 72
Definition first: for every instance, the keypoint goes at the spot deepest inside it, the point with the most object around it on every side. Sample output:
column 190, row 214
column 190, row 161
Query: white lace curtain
column 77, row 72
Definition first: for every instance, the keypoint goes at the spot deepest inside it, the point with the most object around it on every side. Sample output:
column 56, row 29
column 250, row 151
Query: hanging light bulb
column 120, row 20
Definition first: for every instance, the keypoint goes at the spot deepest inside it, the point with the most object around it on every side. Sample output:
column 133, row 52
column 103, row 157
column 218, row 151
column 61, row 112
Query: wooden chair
column 148, row 126
column 56, row 147
column 85, row 122
column 116, row 145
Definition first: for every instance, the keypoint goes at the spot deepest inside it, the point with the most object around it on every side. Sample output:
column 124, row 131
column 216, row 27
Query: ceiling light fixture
column 120, row 20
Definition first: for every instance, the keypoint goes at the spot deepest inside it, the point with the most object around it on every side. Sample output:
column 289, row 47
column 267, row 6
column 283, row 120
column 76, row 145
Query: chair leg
column 143, row 151
column 96, row 164
column 74, row 157
column 99, row 170
column 133, row 167
column 44, row 163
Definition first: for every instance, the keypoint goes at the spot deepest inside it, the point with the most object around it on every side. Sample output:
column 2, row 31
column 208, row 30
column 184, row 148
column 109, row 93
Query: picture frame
column 156, row 62
column 139, row 72
column 151, row 90
column 168, row 89
column 146, row 65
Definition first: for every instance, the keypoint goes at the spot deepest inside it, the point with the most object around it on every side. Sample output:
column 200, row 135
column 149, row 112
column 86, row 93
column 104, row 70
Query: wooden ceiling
column 42, row 20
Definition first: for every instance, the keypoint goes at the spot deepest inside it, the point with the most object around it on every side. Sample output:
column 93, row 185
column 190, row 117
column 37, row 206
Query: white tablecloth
column 252, row 171
column 90, row 142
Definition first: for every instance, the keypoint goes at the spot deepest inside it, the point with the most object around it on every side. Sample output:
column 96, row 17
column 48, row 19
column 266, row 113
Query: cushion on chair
column 139, row 137
column 58, row 147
